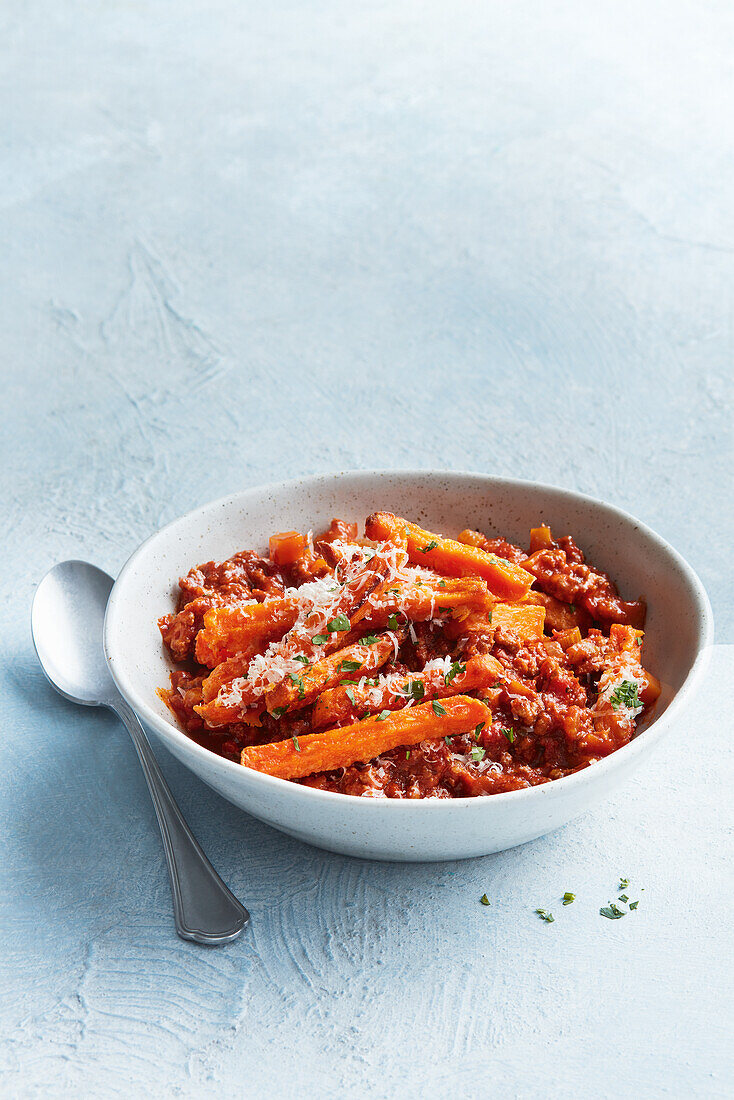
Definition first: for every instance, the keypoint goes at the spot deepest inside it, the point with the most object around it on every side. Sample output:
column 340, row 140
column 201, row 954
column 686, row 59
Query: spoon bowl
column 67, row 621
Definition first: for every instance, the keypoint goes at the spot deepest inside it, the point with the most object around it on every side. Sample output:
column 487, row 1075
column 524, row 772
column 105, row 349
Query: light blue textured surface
column 482, row 236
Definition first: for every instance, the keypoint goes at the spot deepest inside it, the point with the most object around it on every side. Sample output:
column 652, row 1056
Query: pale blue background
column 245, row 241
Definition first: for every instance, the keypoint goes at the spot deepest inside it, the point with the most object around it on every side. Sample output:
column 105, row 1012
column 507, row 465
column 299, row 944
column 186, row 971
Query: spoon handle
column 204, row 909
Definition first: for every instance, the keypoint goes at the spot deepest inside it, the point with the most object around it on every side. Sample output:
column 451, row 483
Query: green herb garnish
column 341, row 622
column 369, row 639
column 612, row 911
column 392, row 622
column 415, row 689
column 457, row 669
column 320, row 639
column 429, row 546
column 437, row 708
column 568, row 897
column 302, row 659
column 442, row 584
column 350, row 666
column 624, row 884
column 624, row 898
column 626, row 694
column 407, row 754
column 484, row 900
column 478, row 729
column 278, row 711
column 350, row 697
column 509, row 734
column 634, row 904
column 295, row 742
column 478, row 754
column 545, row 915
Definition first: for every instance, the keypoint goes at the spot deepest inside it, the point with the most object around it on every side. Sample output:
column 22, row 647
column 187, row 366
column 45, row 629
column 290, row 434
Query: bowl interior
column 642, row 564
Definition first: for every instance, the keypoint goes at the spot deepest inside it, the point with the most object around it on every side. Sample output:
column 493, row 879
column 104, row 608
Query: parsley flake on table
column 612, row 911
column 626, row 694
column 634, row 904
column 568, row 898
column 437, row 708
column 624, row 884
column 485, row 900
column 545, row 915
column 624, row 898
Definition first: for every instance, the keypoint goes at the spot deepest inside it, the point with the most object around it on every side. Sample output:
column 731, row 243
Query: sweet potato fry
column 229, row 631
column 428, row 600
column 347, row 702
column 299, row 689
column 522, row 621
column 362, row 741
column 449, row 556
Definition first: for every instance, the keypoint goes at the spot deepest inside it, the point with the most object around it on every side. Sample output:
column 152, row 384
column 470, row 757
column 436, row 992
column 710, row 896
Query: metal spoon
column 67, row 621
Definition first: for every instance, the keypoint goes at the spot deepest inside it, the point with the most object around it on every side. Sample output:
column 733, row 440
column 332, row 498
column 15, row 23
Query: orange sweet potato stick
column 300, row 688
column 346, row 702
column 362, row 741
column 523, row 621
column 449, row 556
column 229, row 631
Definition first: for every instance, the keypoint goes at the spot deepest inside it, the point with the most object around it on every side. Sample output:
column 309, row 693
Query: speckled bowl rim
column 618, row 759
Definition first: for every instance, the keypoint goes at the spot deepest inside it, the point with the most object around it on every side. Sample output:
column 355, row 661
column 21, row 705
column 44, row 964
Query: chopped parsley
column 392, row 622
column 407, row 754
column 612, row 911
column 478, row 729
column 624, row 898
column 545, row 915
column 484, row 900
column 369, row 639
column 341, row 622
column 626, row 694
column 350, row 666
column 429, row 546
column 437, row 708
column 295, row 742
column 509, row 733
column 447, row 739
column 302, row 659
column 320, row 639
column 442, row 584
column 278, row 711
column 298, row 681
column 478, row 754
column 634, row 904
column 382, row 715
column 624, row 884
column 568, row 898
column 457, row 669
column 350, row 697
column 414, row 689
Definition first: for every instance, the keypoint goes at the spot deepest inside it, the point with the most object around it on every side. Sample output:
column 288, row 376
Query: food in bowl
column 403, row 664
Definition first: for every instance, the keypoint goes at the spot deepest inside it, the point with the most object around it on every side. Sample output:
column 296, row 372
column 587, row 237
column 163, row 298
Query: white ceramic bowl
column 678, row 636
